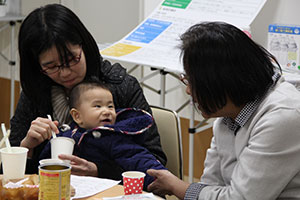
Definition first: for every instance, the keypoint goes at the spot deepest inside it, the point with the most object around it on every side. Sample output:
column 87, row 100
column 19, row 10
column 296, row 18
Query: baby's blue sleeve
column 133, row 157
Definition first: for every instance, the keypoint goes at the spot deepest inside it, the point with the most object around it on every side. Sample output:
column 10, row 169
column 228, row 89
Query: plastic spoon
column 4, row 138
column 7, row 143
column 53, row 134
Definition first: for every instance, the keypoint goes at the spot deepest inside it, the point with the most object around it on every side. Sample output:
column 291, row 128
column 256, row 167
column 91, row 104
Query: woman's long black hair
column 45, row 27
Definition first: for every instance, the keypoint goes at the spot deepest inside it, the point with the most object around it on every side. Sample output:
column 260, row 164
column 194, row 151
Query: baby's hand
column 80, row 166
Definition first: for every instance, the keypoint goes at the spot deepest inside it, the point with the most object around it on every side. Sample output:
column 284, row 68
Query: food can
column 54, row 181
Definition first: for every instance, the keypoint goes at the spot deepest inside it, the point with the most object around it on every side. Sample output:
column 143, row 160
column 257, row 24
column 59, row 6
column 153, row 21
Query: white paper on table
column 147, row 196
column 86, row 186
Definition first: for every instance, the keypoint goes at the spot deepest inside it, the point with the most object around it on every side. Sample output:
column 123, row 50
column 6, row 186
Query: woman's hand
column 80, row 166
column 166, row 183
column 39, row 131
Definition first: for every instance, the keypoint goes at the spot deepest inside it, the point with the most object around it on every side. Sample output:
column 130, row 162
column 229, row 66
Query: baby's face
column 96, row 108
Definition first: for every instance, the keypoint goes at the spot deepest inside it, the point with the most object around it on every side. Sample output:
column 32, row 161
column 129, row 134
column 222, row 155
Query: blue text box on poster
column 148, row 31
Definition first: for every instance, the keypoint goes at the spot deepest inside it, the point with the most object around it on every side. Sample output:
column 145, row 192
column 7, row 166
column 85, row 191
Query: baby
column 102, row 134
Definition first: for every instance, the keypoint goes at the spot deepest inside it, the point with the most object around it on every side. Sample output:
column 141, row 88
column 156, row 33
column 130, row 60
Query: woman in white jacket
column 255, row 149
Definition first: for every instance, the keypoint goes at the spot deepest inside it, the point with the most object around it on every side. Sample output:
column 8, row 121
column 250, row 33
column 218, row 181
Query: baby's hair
column 84, row 86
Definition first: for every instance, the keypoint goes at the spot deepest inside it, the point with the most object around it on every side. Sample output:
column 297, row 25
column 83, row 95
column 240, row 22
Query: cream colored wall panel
column 29, row 5
column 108, row 21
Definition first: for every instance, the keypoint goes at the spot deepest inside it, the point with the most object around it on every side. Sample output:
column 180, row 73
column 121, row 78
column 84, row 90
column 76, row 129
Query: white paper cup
column 133, row 182
column 13, row 162
column 61, row 145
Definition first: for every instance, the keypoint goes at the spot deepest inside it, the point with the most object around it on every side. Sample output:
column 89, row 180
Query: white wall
column 5, row 35
column 274, row 11
column 108, row 21
column 149, row 6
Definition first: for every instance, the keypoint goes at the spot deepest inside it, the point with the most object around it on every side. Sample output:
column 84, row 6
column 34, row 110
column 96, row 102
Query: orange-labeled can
column 54, row 181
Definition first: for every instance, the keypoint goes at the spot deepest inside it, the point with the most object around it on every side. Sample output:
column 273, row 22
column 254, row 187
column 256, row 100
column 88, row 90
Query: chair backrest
column 168, row 124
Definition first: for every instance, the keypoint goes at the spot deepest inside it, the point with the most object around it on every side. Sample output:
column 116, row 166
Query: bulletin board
column 155, row 41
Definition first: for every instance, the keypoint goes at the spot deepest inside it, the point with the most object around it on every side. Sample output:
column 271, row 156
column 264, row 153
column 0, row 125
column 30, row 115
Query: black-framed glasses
column 184, row 79
column 74, row 60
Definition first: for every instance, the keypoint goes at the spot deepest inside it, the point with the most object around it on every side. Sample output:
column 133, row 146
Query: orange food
column 28, row 191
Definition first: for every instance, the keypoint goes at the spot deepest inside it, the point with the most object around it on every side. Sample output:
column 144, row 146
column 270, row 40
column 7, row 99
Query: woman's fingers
column 44, row 126
column 153, row 172
column 164, row 182
column 53, row 126
column 36, row 134
column 159, row 192
column 157, row 174
column 39, row 131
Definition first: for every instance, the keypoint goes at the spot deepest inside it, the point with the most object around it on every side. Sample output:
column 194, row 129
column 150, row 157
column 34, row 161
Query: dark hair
column 45, row 27
column 222, row 62
column 85, row 85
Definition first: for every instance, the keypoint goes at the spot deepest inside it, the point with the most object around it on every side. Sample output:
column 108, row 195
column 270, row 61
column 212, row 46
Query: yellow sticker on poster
column 119, row 49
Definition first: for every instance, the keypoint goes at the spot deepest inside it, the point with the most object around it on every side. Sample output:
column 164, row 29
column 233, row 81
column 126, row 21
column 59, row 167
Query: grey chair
column 168, row 124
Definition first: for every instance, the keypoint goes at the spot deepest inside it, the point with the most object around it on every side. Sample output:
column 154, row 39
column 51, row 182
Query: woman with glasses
column 56, row 53
column 255, row 152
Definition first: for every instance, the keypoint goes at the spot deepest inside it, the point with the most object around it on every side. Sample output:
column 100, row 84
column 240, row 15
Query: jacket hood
column 131, row 121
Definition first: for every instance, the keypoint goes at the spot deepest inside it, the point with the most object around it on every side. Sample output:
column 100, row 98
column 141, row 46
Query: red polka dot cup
column 133, row 182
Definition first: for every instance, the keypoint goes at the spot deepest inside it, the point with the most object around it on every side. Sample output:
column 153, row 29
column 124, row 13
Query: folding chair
column 168, row 124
